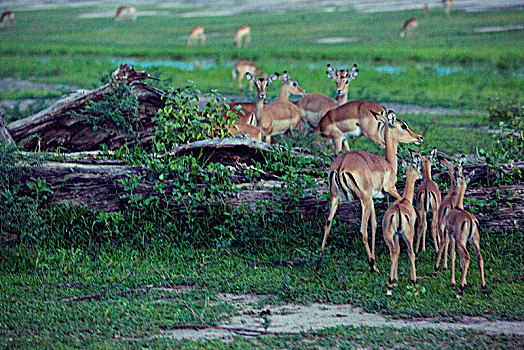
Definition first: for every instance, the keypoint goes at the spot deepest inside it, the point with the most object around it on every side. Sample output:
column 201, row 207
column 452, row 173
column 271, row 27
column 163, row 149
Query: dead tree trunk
column 4, row 134
column 55, row 126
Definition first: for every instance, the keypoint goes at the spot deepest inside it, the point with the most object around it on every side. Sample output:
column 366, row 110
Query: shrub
column 505, row 108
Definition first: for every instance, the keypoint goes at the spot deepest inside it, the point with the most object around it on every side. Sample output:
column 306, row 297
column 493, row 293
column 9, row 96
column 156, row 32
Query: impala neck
column 460, row 197
column 409, row 190
column 427, row 171
column 341, row 99
column 283, row 95
column 391, row 149
column 259, row 111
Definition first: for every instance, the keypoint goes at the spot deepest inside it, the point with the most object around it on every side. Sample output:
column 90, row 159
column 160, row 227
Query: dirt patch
column 17, row 84
column 293, row 318
column 337, row 40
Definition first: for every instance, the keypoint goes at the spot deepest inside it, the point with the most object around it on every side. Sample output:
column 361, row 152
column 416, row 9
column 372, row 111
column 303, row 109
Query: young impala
column 354, row 118
column 399, row 221
column 276, row 118
column 125, row 12
column 409, row 27
column 195, row 35
column 289, row 87
column 448, row 202
column 314, row 106
column 428, row 200
column 242, row 36
column 365, row 175
column 462, row 227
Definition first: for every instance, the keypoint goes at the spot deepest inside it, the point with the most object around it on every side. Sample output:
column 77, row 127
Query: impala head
column 261, row 83
column 399, row 130
column 414, row 168
column 342, row 77
column 292, row 85
column 461, row 181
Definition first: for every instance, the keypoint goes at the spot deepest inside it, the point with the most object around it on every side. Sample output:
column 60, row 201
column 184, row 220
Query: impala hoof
column 435, row 272
column 485, row 290
column 389, row 292
column 452, row 285
column 414, row 282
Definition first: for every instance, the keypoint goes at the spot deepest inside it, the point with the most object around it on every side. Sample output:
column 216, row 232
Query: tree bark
column 55, row 126
column 4, row 134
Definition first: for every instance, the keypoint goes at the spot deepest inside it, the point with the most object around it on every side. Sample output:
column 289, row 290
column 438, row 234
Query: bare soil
column 294, row 318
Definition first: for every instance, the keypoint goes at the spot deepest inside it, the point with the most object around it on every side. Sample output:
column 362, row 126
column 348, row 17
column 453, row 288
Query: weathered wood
column 4, row 134
column 55, row 126
column 100, row 187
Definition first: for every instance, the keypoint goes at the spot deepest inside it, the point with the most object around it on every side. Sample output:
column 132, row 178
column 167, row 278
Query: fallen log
column 56, row 127
column 5, row 137
column 101, row 186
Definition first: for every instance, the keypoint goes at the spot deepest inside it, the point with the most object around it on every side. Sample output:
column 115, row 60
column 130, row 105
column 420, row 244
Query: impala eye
column 295, row 84
column 404, row 126
column 346, row 81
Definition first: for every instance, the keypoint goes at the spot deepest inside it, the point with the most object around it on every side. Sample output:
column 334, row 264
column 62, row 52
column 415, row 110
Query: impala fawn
column 399, row 220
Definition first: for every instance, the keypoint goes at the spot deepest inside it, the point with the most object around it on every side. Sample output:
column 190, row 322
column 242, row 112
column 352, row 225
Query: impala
column 240, row 68
column 409, row 27
column 196, row 34
column 448, row 202
column 355, row 118
column 289, row 87
column 365, row 175
column 399, row 221
column 240, row 128
column 462, row 227
column 276, row 118
column 447, row 6
column 126, row 12
column 314, row 106
column 428, row 200
column 7, row 18
column 242, row 36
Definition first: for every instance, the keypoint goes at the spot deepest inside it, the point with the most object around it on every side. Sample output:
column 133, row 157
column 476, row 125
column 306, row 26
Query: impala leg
column 240, row 85
column 452, row 257
column 337, row 144
column 464, row 264
column 439, row 255
column 446, row 247
column 373, row 229
column 409, row 242
column 434, row 224
column 421, row 221
column 397, row 254
column 388, row 237
column 475, row 242
column 333, row 204
column 366, row 212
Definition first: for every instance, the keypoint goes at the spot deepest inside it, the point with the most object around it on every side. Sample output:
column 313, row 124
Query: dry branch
column 4, row 134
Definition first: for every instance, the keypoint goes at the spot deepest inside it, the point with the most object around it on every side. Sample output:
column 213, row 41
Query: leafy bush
column 505, row 107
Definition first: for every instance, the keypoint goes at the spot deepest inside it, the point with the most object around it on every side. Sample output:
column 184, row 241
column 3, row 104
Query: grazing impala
column 126, row 12
column 242, row 36
column 409, row 27
column 428, row 200
column 276, row 118
column 7, row 19
column 195, row 35
column 314, row 106
column 399, row 221
column 289, row 87
column 447, row 6
column 462, row 227
column 365, row 175
column 356, row 118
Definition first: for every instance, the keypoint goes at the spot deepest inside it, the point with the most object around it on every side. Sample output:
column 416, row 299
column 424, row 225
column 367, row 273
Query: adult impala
column 125, row 12
column 196, row 35
column 7, row 19
column 354, row 118
column 428, row 199
column 240, row 68
column 410, row 27
column 289, row 87
column 242, row 36
column 314, row 106
column 399, row 220
column 276, row 118
column 365, row 175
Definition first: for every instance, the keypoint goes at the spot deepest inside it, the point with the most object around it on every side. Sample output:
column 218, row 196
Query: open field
column 142, row 276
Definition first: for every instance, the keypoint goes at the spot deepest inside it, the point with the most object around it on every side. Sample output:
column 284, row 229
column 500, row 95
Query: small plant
column 505, row 107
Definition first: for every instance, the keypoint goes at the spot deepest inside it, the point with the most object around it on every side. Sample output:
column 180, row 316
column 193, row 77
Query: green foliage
column 117, row 110
column 505, row 107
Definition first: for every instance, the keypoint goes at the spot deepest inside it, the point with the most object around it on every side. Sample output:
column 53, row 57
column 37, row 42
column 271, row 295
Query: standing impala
column 276, row 118
column 365, row 175
column 242, row 36
column 289, row 87
column 409, row 27
column 428, row 200
column 462, row 227
column 7, row 19
column 354, row 118
column 314, row 106
column 240, row 68
column 195, row 35
column 399, row 220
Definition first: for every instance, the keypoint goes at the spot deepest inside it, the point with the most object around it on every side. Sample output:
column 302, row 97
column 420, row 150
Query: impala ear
column 250, row 77
column 403, row 163
column 392, row 118
column 433, row 154
column 284, row 77
column 272, row 77
column 331, row 72
column 375, row 114
column 470, row 176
